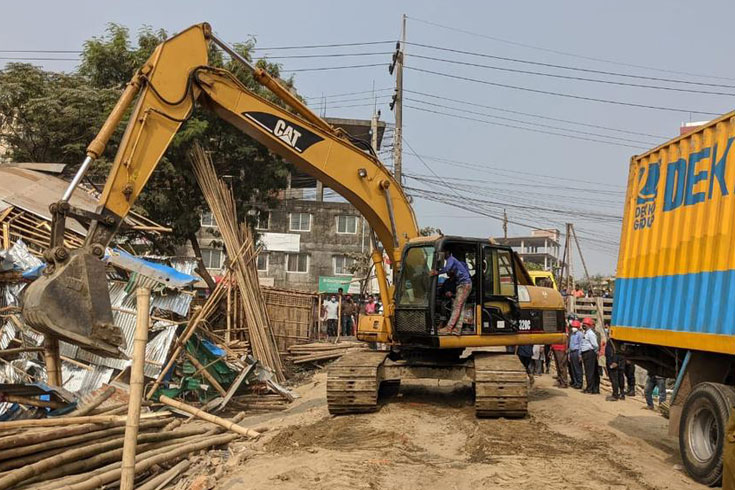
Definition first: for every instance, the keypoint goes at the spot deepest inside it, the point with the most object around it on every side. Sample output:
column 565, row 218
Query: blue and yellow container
column 675, row 281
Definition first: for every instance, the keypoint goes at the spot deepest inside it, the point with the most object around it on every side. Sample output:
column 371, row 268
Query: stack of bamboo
column 322, row 351
column 85, row 452
column 240, row 248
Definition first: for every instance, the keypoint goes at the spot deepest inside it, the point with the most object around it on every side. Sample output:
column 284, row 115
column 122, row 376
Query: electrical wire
column 558, row 94
column 566, row 53
column 541, row 131
column 566, row 67
column 326, row 68
column 477, row 104
column 468, row 111
column 324, row 55
column 349, row 93
column 569, row 77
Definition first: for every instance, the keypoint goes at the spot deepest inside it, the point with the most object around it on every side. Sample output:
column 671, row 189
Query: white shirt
column 332, row 308
column 536, row 352
column 589, row 341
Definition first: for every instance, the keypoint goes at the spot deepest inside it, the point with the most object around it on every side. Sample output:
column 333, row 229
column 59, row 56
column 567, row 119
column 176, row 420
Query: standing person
column 630, row 378
column 589, row 348
column 537, row 357
column 459, row 270
column 560, row 361
column 575, row 359
column 615, row 365
column 332, row 309
column 525, row 353
column 348, row 315
column 370, row 305
column 652, row 382
column 547, row 357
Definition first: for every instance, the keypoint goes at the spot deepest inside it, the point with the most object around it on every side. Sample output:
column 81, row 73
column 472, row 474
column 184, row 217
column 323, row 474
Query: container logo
column 689, row 180
column 648, row 178
column 649, row 190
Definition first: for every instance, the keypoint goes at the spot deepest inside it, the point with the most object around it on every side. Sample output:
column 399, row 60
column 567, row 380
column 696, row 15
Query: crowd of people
column 340, row 312
column 581, row 362
column 578, row 292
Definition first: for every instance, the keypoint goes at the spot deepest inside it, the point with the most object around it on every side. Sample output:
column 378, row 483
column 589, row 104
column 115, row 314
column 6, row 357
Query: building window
column 297, row 262
column 212, row 258
column 347, row 224
column 264, row 220
column 262, row 262
column 342, row 264
column 300, row 222
column 208, row 220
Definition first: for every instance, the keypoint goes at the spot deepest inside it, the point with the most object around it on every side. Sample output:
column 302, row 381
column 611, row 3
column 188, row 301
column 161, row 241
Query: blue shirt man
column 456, row 268
column 575, row 341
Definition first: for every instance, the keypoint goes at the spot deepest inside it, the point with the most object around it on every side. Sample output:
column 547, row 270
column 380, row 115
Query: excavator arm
column 66, row 301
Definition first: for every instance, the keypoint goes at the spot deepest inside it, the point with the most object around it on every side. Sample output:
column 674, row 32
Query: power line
column 490, row 168
column 327, row 68
column 559, row 94
column 582, row 138
column 468, row 111
column 349, row 93
column 566, row 53
column 254, row 48
column 568, row 77
column 477, row 104
column 323, row 55
column 566, row 67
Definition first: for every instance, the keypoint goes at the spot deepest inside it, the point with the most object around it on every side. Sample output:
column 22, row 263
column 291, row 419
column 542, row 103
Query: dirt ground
column 426, row 436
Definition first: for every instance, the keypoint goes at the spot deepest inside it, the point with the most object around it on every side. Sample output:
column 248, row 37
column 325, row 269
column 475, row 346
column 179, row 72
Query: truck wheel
column 702, row 431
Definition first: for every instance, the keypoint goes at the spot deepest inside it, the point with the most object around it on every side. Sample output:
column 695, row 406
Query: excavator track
column 353, row 382
column 501, row 385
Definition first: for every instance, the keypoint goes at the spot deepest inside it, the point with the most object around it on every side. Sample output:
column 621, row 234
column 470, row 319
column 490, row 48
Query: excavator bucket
column 73, row 304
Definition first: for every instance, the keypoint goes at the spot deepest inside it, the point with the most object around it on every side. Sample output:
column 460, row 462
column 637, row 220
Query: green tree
column 51, row 117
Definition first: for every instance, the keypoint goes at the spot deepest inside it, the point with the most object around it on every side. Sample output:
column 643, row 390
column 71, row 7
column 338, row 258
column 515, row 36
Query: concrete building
column 541, row 248
column 310, row 240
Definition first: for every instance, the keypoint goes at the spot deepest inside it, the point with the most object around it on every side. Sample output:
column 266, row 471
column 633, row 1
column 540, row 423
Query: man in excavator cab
column 458, row 273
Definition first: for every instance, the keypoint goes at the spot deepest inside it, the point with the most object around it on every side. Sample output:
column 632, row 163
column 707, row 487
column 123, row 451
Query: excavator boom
column 65, row 302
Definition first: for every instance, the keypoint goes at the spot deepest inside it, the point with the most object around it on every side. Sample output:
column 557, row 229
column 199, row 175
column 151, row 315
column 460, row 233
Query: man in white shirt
column 332, row 309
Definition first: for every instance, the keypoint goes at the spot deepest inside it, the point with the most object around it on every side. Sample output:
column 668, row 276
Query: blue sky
column 541, row 179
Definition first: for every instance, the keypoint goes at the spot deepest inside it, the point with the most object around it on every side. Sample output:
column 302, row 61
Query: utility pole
column 586, row 272
column 397, row 104
column 505, row 224
column 374, row 130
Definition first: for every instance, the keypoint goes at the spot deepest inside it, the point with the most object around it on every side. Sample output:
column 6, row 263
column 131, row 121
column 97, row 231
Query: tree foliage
column 51, row 117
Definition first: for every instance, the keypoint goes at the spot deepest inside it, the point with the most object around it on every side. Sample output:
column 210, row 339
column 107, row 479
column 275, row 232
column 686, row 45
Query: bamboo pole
column 96, row 401
column 21, row 474
column 165, row 478
column 53, row 363
column 201, row 369
column 229, row 313
column 208, row 307
column 33, row 402
column 146, row 464
column 127, row 480
column 18, row 350
column 27, row 438
column 22, row 450
column 227, row 424
column 220, row 199
column 89, row 419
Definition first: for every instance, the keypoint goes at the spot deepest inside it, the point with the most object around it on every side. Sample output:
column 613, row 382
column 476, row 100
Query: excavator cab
column 424, row 301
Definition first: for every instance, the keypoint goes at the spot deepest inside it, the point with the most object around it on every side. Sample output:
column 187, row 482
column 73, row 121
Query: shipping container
column 674, row 307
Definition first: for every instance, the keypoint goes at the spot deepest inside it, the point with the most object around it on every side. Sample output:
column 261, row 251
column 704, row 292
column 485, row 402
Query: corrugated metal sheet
column 176, row 302
column 676, row 268
column 82, row 381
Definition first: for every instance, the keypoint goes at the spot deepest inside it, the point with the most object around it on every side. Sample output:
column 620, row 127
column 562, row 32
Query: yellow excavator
column 70, row 300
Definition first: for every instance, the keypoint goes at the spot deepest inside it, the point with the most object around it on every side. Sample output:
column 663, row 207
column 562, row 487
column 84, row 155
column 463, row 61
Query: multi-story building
column 541, row 248
column 310, row 240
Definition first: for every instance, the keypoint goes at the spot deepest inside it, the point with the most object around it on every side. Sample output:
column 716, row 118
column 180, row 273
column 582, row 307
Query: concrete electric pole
column 397, row 104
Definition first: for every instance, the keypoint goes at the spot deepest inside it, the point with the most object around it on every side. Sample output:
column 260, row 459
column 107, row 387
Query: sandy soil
column 426, row 436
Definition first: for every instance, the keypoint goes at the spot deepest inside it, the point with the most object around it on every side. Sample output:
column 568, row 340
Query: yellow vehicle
column 504, row 308
column 543, row 279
